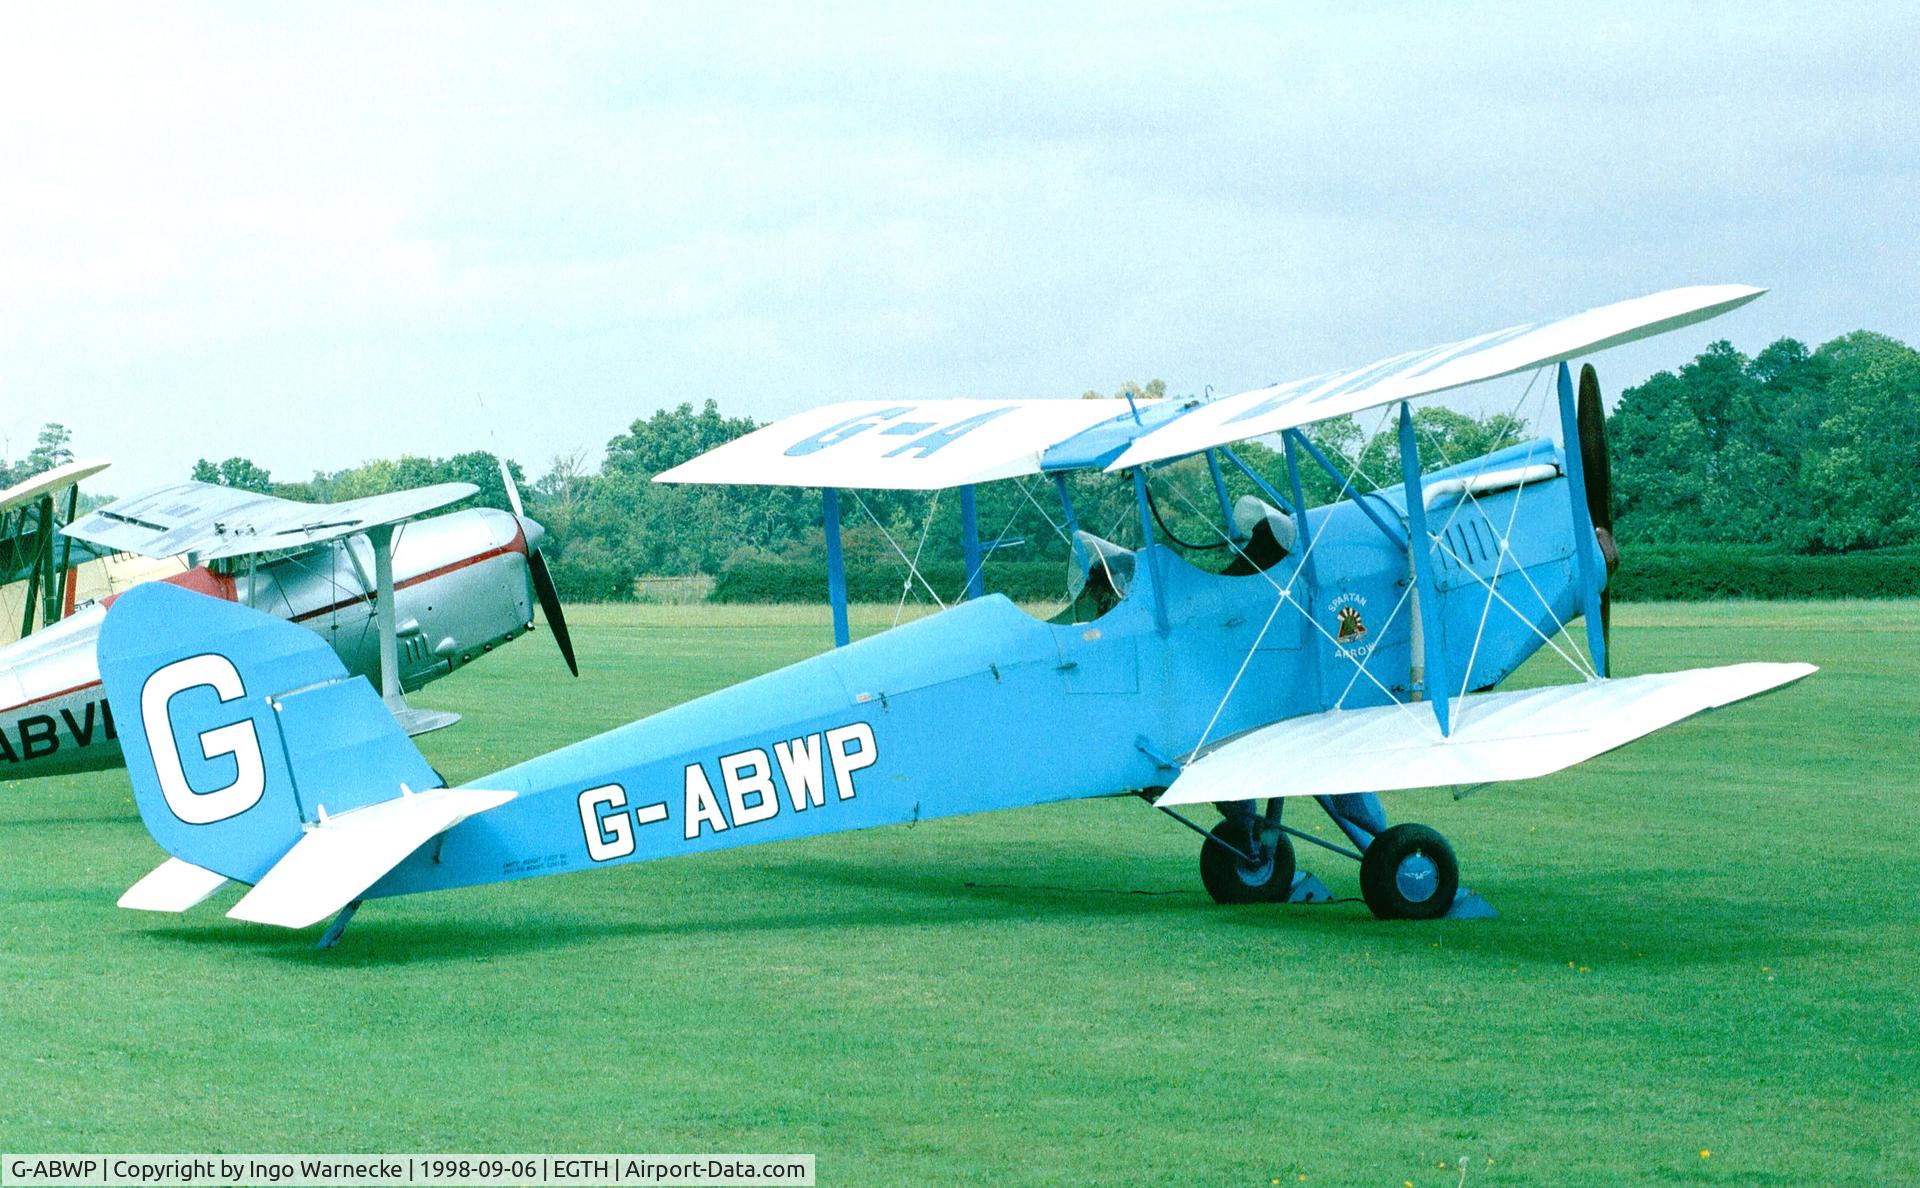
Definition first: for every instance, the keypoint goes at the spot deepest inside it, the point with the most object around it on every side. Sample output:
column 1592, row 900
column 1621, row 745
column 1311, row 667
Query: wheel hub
column 1417, row 878
column 1256, row 874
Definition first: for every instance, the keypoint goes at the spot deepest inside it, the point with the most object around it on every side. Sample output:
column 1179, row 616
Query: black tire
column 1228, row 877
column 1393, row 898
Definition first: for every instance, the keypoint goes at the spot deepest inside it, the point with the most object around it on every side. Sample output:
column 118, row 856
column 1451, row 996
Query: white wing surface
column 924, row 445
column 1496, row 736
column 210, row 521
column 47, row 482
column 1437, row 369
column 902, row 445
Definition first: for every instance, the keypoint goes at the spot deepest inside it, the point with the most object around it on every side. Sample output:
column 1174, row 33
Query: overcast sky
column 317, row 235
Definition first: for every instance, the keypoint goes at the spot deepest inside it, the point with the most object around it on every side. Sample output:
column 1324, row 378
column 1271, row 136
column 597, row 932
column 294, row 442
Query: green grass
column 1707, row 943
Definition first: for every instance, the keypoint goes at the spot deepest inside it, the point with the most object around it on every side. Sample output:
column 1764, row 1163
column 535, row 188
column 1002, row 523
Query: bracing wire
column 987, row 554
column 913, row 566
column 1284, row 595
column 1504, row 539
column 913, row 571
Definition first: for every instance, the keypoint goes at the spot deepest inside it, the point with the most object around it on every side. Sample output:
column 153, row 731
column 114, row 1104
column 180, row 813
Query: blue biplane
column 1348, row 649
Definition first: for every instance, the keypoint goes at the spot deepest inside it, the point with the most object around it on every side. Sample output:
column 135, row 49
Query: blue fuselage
column 984, row 706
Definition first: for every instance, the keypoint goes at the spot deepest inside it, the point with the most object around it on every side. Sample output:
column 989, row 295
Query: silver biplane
column 403, row 600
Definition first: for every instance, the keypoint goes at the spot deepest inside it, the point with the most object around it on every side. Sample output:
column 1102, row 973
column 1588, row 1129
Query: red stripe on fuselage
column 93, row 684
column 517, row 545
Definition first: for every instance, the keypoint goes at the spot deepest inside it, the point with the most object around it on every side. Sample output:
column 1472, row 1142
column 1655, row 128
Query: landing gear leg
column 338, row 928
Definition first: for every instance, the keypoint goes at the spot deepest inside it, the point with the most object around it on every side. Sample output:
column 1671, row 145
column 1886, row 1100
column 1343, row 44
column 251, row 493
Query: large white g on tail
column 239, row 739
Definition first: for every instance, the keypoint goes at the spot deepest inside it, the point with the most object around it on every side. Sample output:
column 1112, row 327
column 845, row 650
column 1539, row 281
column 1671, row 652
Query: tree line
column 1790, row 451
column 1796, row 450
column 1793, row 450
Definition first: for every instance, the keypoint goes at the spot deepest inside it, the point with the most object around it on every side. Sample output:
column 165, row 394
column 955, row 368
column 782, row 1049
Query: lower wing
column 1496, row 736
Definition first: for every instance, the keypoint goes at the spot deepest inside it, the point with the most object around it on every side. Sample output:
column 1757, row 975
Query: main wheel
column 1229, row 878
column 1409, row 873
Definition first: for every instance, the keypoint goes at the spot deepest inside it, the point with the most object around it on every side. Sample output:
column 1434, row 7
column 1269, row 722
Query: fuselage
column 461, row 588
column 983, row 706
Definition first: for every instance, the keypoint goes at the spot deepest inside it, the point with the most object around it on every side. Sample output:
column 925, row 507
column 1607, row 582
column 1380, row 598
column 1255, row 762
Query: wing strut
column 1154, row 586
column 412, row 720
column 65, row 601
column 836, row 564
column 1428, row 647
column 41, row 549
column 1360, row 497
column 970, row 543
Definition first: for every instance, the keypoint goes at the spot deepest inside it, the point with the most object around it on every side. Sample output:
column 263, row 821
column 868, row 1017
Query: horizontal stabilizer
column 337, row 859
column 173, row 886
column 1496, row 736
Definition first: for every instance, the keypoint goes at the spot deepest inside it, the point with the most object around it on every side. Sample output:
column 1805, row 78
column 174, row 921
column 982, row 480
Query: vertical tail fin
column 252, row 753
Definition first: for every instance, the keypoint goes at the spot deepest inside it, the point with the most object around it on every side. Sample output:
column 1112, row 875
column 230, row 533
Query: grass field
column 1706, row 970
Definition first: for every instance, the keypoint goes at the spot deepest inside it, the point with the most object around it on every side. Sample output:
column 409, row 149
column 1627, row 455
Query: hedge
column 806, row 581
column 1703, row 573
column 1647, row 573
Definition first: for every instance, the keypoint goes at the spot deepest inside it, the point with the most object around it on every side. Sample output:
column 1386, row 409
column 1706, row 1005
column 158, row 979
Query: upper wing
column 924, row 445
column 47, row 482
column 211, row 522
column 899, row 445
column 1419, row 373
column 1496, row 736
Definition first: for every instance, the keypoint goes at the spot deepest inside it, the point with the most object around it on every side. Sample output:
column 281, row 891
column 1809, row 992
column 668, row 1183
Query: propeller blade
column 543, row 587
column 513, row 491
column 1606, row 631
column 1591, row 416
column 550, row 606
